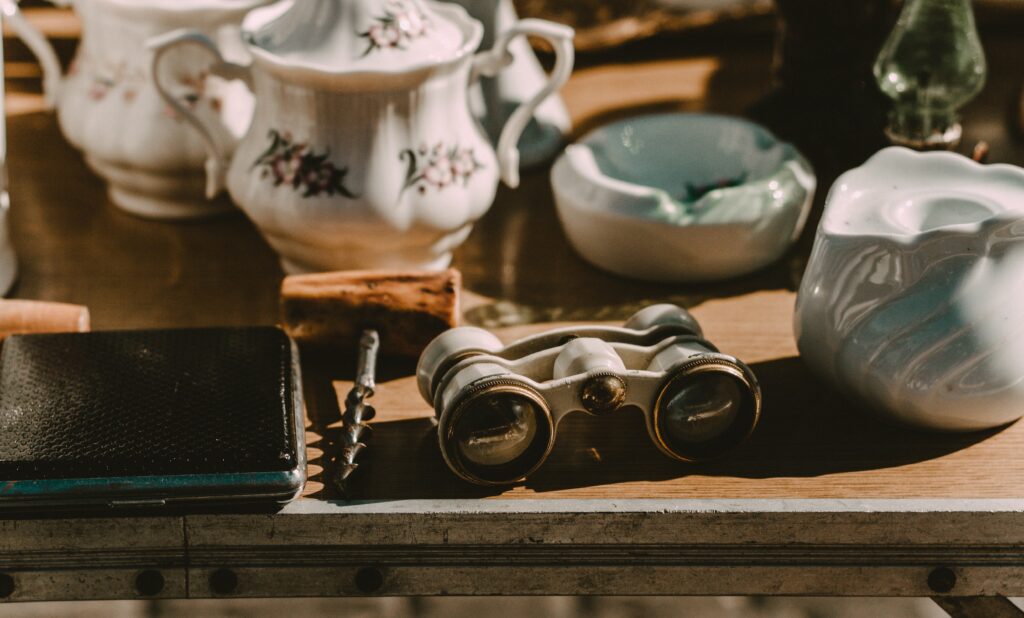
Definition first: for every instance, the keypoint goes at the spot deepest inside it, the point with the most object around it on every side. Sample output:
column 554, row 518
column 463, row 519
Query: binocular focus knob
column 602, row 394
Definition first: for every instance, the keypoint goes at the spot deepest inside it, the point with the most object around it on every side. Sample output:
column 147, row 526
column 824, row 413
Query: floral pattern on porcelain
column 295, row 164
column 439, row 166
column 110, row 109
column 131, row 79
column 401, row 23
column 101, row 81
column 371, row 113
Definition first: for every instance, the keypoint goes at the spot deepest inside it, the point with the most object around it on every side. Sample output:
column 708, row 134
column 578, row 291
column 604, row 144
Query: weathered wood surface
column 811, row 443
column 31, row 316
column 815, row 503
column 407, row 308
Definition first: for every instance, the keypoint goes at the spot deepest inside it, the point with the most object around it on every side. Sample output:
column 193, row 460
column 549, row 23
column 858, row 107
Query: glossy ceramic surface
column 109, row 109
column 682, row 197
column 912, row 299
column 362, row 152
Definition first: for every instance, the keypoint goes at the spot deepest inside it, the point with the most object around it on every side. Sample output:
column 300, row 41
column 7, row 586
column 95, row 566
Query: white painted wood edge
column 753, row 505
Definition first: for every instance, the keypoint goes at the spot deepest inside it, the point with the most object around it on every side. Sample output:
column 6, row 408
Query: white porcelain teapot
column 363, row 152
column 109, row 109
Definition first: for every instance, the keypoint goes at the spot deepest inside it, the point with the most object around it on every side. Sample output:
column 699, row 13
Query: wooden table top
column 816, row 452
column 75, row 246
column 811, row 442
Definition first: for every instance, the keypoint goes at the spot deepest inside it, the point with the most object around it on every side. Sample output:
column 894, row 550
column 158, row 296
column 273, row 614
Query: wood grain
column 734, row 526
column 76, row 247
column 812, row 442
column 407, row 308
column 33, row 316
column 518, row 269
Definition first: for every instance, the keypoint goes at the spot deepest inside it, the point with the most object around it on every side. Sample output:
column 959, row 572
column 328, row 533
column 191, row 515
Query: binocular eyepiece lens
column 499, row 436
column 703, row 409
column 704, row 414
column 496, row 429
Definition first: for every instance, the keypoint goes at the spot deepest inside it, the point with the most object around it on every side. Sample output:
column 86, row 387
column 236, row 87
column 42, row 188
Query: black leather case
column 150, row 418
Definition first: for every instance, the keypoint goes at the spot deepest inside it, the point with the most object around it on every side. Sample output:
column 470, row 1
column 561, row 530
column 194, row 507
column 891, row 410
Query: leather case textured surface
column 147, row 403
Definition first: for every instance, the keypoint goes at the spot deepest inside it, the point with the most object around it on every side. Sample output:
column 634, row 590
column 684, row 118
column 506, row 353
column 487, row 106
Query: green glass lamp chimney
column 930, row 66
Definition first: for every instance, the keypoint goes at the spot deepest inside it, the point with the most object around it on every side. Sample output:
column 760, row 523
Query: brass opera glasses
column 498, row 407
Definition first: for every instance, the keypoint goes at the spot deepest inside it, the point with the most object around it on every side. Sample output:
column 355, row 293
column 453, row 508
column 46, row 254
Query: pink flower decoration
column 438, row 166
column 438, row 176
column 376, row 35
column 464, row 165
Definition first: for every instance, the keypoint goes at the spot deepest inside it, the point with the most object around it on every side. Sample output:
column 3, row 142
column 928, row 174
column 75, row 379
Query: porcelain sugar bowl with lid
column 913, row 299
column 362, row 152
column 109, row 108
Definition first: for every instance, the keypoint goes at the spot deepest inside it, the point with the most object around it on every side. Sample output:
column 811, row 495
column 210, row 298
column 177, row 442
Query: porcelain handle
column 39, row 46
column 491, row 62
column 216, row 160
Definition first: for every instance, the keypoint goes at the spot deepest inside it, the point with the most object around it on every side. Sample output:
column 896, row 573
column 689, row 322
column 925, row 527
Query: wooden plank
column 92, row 558
column 868, row 580
column 881, row 524
column 803, row 508
column 89, row 534
column 74, row 246
column 812, row 442
column 87, row 583
column 828, row 547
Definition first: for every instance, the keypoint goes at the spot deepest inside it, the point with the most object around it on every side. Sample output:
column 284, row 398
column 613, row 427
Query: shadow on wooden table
column 807, row 430
column 520, row 255
column 810, row 429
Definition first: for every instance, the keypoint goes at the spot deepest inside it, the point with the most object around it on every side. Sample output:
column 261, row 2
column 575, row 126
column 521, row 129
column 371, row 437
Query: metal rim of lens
column 446, row 432
column 445, row 368
column 752, row 411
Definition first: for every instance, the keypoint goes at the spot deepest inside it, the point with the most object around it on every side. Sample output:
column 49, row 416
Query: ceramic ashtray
column 913, row 298
column 682, row 197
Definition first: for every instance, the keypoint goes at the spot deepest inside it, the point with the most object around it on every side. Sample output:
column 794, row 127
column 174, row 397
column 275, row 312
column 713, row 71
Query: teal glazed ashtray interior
column 682, row 197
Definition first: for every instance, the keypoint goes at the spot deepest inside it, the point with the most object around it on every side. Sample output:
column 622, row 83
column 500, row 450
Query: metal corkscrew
column 393, row 312
column 357, row 409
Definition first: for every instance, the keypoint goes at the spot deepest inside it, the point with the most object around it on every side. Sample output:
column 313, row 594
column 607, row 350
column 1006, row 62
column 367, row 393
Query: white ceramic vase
column 362, row 152
column 109, row 109
column 913, row 299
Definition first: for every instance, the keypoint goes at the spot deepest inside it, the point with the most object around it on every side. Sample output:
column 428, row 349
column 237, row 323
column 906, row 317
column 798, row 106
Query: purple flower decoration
column 293, row 164
column 400, row 24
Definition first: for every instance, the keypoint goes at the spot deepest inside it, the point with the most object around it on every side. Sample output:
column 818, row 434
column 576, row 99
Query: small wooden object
column 407, row 308
column 399, row 312
column 34, row 316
